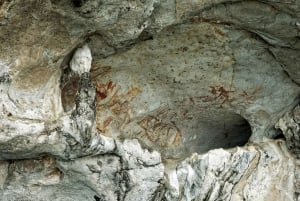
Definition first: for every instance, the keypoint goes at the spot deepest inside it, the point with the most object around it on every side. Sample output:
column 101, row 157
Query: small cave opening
column 212, row 130
column 276, row 134
column 77, row 3
column 97, row 198
column 226, row 130
column 280, row 136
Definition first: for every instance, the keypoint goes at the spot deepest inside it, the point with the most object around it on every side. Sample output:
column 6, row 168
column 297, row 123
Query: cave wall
column 149, row 100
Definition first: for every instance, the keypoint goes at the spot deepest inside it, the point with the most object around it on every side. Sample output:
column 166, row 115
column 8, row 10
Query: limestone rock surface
column 264, row 172
column 149, row 100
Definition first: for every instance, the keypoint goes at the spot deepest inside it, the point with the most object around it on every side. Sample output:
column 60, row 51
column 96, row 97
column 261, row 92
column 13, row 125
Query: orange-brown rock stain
column 110, row 99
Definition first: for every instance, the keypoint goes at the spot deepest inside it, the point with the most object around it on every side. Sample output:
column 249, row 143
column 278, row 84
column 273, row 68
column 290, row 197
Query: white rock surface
column 153, row 100
column 82, row 60
column 264, row 172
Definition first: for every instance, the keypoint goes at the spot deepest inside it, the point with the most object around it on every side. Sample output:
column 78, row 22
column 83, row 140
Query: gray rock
column 174, row 100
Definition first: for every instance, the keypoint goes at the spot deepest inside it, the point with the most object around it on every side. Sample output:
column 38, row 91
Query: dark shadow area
column 280, row 136
column 275, row 133
column 227, row 130
column 69, row 87
column 97, row 198
column 77, row 3
column 213, row 129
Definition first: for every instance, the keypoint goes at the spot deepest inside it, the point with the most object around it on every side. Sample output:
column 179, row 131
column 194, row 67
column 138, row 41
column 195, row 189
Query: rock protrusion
column 82, row 60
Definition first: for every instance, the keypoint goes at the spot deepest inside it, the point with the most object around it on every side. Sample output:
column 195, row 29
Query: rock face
column 155, row 100
column 263, row 172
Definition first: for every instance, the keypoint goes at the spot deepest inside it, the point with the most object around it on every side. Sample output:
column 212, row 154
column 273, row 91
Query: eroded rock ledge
column 149, row 100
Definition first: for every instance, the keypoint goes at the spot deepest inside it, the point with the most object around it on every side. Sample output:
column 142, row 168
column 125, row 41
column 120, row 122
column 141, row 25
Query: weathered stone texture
column 149, row 100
